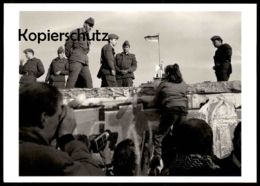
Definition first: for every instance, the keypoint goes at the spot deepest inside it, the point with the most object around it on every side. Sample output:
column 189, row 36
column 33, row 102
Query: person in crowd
column 107, row 71
column 124, row 159
column 32, row 69
column 172, row 103
column 193, row 140
column 231, row 165
column 125, row 66
column 76, row 50
column 42, row 119
column 59, row 67
column 222, row 59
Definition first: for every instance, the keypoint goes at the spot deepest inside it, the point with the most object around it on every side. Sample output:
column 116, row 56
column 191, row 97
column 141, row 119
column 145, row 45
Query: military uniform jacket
column 31, row 70
column 126, row 62
column 77, row 47
column 222, row 58
column 107, row 60
column 58, row 64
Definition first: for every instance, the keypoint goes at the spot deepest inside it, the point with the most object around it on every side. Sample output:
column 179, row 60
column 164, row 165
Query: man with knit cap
column 222, row 59
column 107, row 71
column 125, row 65
column 59, row 67
column 76, row 50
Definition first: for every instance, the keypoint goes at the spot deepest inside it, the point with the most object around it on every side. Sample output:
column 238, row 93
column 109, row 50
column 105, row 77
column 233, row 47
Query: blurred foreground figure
column 231, row 165
column 193, row 140
column 42, row 118
column 124, row 159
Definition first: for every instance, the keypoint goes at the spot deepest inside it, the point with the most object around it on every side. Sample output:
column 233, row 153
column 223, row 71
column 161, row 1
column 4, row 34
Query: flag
column 152, row 38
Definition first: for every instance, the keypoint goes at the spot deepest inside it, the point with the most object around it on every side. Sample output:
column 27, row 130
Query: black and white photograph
column 130, row 92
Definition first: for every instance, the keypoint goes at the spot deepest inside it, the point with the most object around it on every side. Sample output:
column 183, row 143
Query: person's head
column 40, row 106
column 112, row 39
column 237, row 141
column 61, row 52
column 173, row 73
column 88, row 24
column 126, row 46
column 124, row 158
column 29, row 53
column 193, row 136
column 216, row 41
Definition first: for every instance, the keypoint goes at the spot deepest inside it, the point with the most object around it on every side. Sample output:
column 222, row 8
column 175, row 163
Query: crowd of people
column 73, row 61
column 116, row 70
column 47, row 146
column 182, row 147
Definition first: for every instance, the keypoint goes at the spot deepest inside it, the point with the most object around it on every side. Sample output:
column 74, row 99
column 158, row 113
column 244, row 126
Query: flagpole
column 159, row 48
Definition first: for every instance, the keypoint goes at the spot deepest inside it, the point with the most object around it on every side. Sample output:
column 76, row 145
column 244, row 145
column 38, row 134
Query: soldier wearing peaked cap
column 125, row 65
column 213, row 38
column 107, row 71
column 59, row 67
column 222, row 59
column 28, row 50
column 113, row 36
column 32, row 69
column 76, row 50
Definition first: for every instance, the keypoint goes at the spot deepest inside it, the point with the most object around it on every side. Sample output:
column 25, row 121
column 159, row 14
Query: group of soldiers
column 115, row 70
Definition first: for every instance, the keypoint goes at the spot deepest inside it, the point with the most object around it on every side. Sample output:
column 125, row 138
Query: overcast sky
column 184, row 39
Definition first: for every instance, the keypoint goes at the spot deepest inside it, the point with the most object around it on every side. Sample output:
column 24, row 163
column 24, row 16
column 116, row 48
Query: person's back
column 78, row 46
column 173, row 94
column 193, row 140
column 172, row 104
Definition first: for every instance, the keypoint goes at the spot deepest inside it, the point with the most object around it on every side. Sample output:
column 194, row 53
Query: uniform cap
column 126, row 43
column 216, row 38
column 60, row 50
column 90, row 21
column 28, row 50
column 113, row 36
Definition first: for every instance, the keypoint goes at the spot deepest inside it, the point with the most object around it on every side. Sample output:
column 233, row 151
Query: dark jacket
column 77, row 47
column 230, row 166
column 56, row 65
column 107, row 60
column 38, row 158
column 169, row 95
column 125, row 62
column 222, row 58
column 31, row 70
